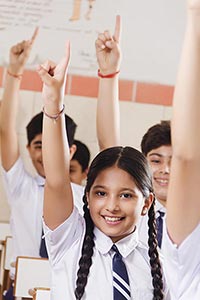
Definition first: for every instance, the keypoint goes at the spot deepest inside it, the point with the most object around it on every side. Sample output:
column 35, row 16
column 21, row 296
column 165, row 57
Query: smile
column 113, row 220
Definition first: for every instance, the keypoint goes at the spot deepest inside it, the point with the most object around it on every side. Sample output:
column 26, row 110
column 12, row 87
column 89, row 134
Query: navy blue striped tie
column 159, row 225
column 121, row 288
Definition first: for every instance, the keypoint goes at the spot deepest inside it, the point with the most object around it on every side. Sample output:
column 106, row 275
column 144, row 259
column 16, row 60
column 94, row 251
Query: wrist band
column 108, row 75
column 18, row 76
column 55, row 116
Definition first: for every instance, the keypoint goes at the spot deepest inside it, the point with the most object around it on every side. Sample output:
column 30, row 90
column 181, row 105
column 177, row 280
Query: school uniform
column 182, row 266
column 25, row 197
column 64, row 247
column 143, row 225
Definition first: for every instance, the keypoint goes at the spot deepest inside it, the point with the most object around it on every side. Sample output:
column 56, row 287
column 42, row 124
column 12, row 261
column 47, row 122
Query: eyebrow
column 122, row 189
column 37, row 143
column 160, row 155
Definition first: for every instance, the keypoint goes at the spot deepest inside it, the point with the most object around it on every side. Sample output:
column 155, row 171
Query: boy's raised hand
column 108, row 50
column 20, row 53
column 54, row 78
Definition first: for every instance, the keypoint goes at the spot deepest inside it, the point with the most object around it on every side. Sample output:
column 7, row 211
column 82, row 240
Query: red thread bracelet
column 18, row 76
column 55, row 116
column 108, row 75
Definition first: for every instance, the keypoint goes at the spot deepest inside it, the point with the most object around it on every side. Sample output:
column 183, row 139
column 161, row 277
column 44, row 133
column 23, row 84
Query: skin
column 35, row 152
column 116, row 204
column 77, row 175
column 159, row 160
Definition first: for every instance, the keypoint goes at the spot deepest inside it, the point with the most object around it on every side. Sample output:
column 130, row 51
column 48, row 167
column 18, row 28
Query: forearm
column 108, row 116
column 9, row 111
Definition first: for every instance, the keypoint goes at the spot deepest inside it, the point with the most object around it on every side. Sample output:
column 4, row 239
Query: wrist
column 103, row 74
column 16, row 75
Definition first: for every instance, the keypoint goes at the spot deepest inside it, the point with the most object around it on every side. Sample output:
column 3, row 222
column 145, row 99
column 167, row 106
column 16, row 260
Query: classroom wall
column 151, row 42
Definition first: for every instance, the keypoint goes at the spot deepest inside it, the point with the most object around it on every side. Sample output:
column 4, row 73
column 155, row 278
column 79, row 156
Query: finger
column 117, row 31
column 100, row 45
column 44, row 75
column 32, row 40
column 102, row 37
column 64, row 62
column 107, row 35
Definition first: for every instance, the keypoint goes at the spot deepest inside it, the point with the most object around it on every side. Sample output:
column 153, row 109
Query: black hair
column 156, row 136
column 34, row 128
column 82, row 155
column 133, row 162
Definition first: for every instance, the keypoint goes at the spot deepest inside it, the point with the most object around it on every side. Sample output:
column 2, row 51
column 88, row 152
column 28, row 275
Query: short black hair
column 34, row 128
column 82, row 154
column 156, row 136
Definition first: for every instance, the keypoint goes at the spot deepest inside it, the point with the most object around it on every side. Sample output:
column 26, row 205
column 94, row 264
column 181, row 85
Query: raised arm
column 183, row 203
column 58, row 201
column 19, row 55
column 109, row 58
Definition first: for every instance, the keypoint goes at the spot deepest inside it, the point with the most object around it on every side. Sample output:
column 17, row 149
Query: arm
column 183, row 205
column 108, row 120
column 58, row 201
column 19, row 55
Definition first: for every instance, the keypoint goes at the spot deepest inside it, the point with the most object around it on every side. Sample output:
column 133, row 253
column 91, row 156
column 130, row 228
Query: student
column 25, row 192
column 182, row 247
column 118, row 192
column 79, row 163
column 156, row 146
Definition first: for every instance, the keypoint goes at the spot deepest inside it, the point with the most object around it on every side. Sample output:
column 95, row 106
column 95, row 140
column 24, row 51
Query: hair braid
column 85, row 261
column 156, row 271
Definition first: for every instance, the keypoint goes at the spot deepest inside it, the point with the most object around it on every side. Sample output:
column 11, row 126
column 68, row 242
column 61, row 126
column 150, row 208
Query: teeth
column 162, row 180
column 112, row 219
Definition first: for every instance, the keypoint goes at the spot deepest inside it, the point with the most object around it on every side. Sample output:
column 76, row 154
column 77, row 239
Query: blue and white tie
column 121, row 288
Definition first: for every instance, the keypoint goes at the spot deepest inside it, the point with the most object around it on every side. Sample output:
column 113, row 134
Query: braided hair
column 133, row 162
column 156, row 271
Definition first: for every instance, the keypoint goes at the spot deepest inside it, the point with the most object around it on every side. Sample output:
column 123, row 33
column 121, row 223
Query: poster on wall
column 58, row 20
column 150, row 43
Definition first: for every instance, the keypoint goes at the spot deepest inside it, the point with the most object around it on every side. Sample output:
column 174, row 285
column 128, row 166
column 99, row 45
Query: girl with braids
column 118, row 192
column 181, row 245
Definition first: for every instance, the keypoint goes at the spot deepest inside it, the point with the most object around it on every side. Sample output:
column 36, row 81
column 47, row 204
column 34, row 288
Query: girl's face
column 116, row 203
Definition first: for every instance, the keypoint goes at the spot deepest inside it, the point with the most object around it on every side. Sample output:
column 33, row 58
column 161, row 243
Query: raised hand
column 108, row 50
column 54, row 79
column 20, row 53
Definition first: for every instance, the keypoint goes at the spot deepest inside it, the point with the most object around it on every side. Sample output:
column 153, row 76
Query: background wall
column 151, row 42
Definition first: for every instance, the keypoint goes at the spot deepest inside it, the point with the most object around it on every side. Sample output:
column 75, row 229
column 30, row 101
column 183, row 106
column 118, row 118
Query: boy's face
column 159, row 160
column 35, row 151
column 76, row 174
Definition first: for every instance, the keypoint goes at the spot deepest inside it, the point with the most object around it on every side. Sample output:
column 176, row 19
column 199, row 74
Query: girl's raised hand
column 20, row 53
column 108, row 49
column 54, row 79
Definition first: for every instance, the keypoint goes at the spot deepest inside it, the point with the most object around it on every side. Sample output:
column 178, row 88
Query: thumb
column 44, row 75
column 110, row 44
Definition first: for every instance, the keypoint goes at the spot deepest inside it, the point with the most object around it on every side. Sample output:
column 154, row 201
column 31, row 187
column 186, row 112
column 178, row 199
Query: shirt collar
column 159, row 206
column 125, row 245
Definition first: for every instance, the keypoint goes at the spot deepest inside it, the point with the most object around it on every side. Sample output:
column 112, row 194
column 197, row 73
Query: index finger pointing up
column 117, row 32
column 34, row 35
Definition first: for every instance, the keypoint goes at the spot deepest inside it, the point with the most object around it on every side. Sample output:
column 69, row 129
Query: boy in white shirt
column 25, row 192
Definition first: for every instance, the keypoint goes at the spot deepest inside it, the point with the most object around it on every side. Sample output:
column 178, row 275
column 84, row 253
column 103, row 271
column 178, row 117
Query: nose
column 112, row 204
column 165, row 168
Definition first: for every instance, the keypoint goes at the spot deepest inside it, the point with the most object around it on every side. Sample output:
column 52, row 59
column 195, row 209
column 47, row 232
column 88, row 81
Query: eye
column 155, row 161
column 100, row 193
column 126, row 195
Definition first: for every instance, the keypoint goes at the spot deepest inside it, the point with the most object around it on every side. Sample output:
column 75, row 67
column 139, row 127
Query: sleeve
column 183, row 261
column 15, row 179
column 59, row 240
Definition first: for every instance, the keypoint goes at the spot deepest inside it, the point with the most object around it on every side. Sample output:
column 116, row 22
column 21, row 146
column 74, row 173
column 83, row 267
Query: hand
column 108, row 50
column 54, row 79
column 20, row 53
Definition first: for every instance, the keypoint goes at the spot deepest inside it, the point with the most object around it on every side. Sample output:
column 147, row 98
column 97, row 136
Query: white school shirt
column 182, row 266
column 64, row 247
column 143, row 225
column 25, row 197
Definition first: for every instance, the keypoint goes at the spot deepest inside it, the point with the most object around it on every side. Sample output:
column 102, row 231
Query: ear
column 28, row 148
column 72, row 150
column 147, row 204
column 84, row 174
